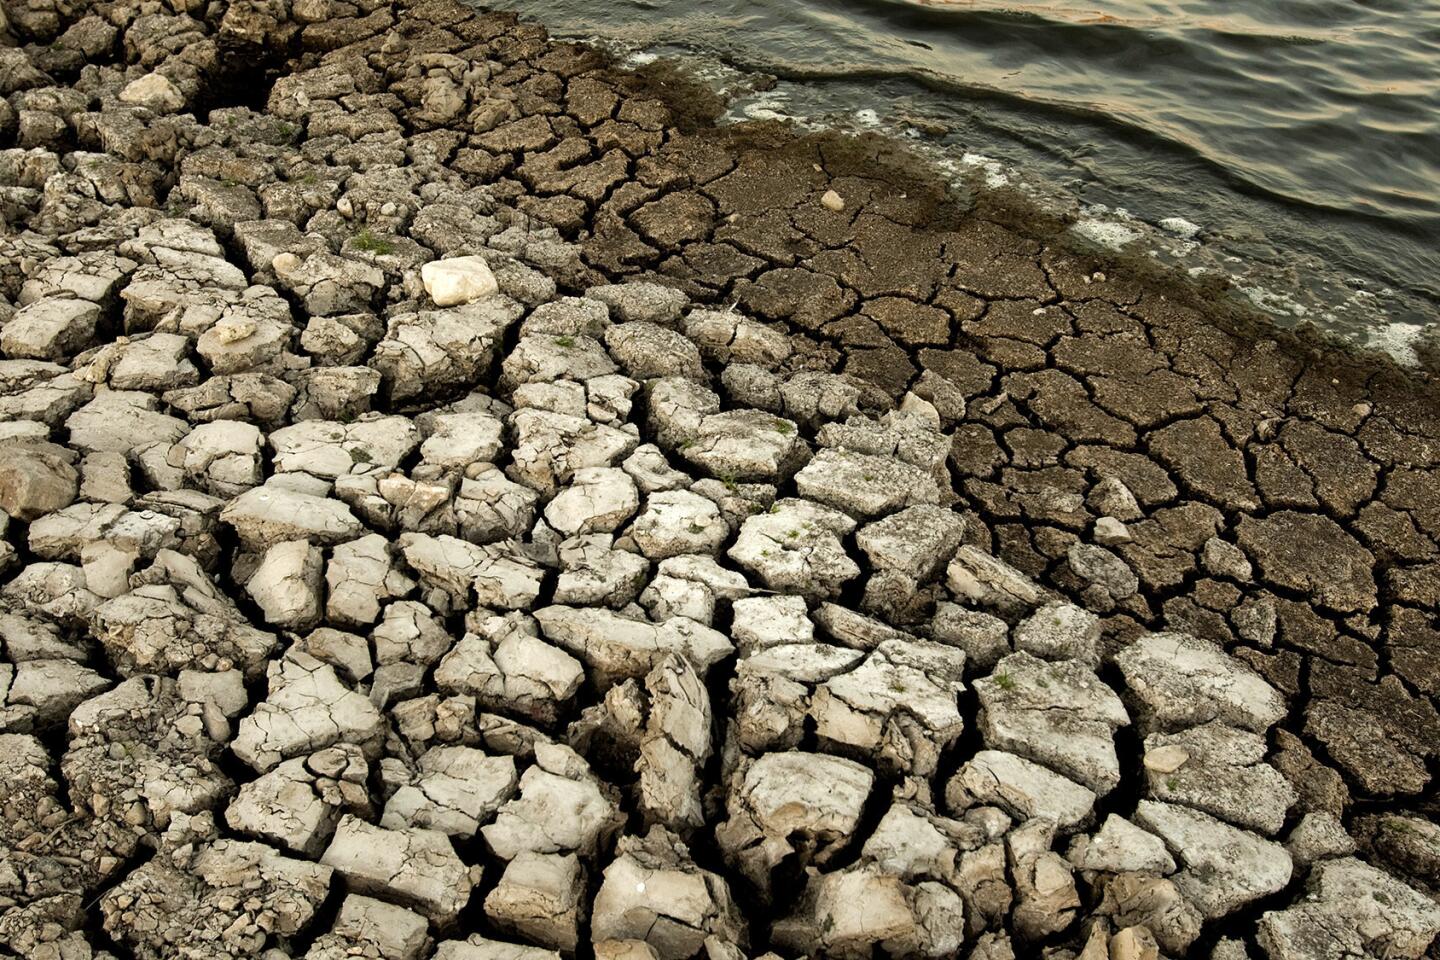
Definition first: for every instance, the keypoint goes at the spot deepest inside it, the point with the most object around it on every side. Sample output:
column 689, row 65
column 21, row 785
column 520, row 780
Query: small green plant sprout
column 367, row 241
column 566, row 342
column 1005, row 681
column 782, row 426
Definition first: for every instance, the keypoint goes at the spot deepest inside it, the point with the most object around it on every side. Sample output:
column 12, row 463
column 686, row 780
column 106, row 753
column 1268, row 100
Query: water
column 1304, row 134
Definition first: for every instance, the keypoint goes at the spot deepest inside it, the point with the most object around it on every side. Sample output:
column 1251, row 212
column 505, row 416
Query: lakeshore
column 461, row 502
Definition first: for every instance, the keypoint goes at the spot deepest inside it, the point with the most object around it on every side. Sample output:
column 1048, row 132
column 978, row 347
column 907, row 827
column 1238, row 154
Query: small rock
column 1166, row 759
column 805, row 805
column 562, row 808
column 977, row 578
column 796, row 548
column 677, row 522
column 455, row 790
column 617, row 647
column 1223, row 773
column 1057, row 714
column 541, row 898
column 458, row 280
column 308, row 708
column 761, row 622
column 1110, row 531
column 598, row 500
column 1060, row 631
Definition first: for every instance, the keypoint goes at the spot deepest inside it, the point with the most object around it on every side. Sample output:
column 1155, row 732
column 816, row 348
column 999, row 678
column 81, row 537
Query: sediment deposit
column 458, row 503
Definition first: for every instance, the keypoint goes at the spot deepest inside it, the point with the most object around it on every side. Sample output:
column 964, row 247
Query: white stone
column 760, row 622
column 1060, row 631
column 899, row 706
column 1059, row 714
column 1177, row 681
column 653, row 892
column 789, row 804
column 458, row 280
column 541, row 898
column 267, row 515
column 977, row 578
column 505, row 666
column 598, row 500
column 796, row 548
column 155, row 91
column 287, row 585
column 1223, row 772
column 1121, row 847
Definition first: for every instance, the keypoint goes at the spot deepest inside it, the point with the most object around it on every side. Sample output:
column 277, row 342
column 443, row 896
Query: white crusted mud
column 457, row 504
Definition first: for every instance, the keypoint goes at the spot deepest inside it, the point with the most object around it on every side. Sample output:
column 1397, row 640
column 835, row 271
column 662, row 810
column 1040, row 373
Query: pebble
column 234, row 330
column 1110, row 531
column 1166, row 759
column 458, row 280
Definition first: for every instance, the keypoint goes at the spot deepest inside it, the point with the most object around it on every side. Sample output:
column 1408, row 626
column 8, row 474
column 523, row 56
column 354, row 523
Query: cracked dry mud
column 459, row 503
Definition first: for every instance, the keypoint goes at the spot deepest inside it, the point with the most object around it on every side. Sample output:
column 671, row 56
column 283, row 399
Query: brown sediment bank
column 765, row 492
